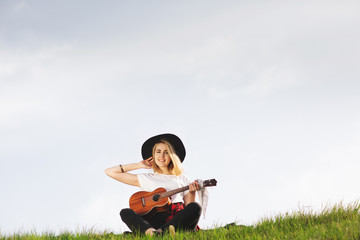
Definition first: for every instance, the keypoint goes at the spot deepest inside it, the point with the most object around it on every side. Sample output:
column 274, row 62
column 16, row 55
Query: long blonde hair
column 175, row 166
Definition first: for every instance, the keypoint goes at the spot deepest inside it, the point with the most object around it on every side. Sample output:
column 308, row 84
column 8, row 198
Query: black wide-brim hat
column 175, row 141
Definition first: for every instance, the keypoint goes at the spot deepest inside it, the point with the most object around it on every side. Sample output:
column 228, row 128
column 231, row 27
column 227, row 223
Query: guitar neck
column 206, row 183
column 175, row 191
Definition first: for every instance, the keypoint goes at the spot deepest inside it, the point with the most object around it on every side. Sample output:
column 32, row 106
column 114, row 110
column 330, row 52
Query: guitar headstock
column 209, row 183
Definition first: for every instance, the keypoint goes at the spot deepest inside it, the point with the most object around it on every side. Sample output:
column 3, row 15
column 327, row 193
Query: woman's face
column 162, row 157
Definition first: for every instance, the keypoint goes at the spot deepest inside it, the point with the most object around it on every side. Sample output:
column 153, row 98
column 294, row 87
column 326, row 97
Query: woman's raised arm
column 120, row 172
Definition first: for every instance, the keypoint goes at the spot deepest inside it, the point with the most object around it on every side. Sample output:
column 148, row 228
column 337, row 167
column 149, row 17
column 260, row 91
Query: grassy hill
column 336, row 222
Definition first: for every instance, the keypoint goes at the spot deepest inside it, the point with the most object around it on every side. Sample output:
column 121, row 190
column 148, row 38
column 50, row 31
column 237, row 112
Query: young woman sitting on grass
column 163, row 154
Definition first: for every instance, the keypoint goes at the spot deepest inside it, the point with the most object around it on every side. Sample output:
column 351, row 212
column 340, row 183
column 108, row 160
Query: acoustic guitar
column 149, row 203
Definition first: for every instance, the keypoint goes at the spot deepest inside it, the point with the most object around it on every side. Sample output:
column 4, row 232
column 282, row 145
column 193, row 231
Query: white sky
column 264, row 94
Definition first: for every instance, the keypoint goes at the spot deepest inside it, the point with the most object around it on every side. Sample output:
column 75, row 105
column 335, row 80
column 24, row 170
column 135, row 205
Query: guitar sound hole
column 156, row 197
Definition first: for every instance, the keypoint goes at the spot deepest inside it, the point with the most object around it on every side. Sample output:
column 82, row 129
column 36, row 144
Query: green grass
column 336, row 222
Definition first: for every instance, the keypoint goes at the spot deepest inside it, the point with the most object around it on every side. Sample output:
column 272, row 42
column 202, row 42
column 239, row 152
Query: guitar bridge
column 143, row 202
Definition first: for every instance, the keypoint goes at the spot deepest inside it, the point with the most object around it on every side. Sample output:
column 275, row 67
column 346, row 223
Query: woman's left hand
column 190, row 196
column 193, row 187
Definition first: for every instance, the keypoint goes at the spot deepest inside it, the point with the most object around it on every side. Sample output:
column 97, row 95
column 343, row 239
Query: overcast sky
column 264, row 94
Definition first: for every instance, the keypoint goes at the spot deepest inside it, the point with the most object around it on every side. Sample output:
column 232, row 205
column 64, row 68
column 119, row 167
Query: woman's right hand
column 147, row 163
column 121, row 172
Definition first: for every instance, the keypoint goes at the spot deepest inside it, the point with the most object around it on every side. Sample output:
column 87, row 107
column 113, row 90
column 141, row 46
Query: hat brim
column 175, row 141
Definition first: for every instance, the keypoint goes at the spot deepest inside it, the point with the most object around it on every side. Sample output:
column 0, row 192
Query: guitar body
column 148, row 203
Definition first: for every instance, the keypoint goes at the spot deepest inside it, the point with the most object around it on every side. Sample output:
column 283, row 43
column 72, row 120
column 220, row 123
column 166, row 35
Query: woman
column 163, row 154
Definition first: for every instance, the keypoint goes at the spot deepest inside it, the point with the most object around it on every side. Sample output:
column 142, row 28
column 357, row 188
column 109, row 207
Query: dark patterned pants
column 185, row 219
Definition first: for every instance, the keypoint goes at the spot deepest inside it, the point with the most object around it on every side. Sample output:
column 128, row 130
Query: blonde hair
column 175, row 166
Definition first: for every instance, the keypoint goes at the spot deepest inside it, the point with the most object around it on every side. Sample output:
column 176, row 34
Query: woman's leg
column 187, row 219
column 135, row 222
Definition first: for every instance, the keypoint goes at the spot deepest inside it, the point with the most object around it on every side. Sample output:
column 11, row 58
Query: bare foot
column 150, row 231
column 172, row 230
